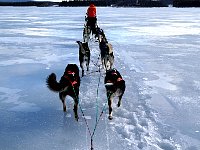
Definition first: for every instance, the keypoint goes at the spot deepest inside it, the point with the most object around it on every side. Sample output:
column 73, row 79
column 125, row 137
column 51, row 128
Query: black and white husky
column 68, row 85
column 107, row 57
column 86, row 33
column 99, row 34
column 115, row 86
column 84, row 55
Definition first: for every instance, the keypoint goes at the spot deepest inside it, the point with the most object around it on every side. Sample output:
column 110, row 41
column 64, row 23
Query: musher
column 91, row 17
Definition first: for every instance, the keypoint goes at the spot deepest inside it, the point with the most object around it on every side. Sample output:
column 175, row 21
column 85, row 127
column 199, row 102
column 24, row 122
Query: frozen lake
column 157, row 52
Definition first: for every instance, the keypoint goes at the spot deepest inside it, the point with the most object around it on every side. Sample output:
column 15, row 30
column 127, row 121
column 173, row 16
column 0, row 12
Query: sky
column 156, row 51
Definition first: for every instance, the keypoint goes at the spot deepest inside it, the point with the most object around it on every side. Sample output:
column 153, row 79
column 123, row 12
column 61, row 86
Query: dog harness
column 118, row 79
column 71, row 73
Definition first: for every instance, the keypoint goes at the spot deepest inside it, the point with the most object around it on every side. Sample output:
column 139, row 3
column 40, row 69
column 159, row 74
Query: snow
column 156, row 51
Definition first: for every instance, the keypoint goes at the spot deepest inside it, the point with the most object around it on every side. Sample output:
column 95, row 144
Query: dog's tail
column 79, row 42
column 52, row 83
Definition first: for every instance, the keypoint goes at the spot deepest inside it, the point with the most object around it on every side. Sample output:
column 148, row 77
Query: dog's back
column 99, row 34
column 115, row 86
column 68, row 85
column 107, row 56
column 70, row 78
column 114, row 82
column 83, row 48
column 71, row 75
column 84, row 55
column 72, row 68
column 104, row 49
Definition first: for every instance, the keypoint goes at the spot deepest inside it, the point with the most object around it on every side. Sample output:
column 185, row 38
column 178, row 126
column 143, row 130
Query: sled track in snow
column 140, row 124
column 135, row 123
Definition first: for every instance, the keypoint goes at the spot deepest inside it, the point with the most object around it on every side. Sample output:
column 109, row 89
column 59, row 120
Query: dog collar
column 74, row 82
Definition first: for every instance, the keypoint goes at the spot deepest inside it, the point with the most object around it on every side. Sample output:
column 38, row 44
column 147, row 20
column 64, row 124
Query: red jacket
column 91, row 11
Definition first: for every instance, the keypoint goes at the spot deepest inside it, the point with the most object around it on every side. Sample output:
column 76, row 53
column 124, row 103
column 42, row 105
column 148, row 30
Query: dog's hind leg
column 76, row 109
column 111, row 60
column 88, row 63
column 119, row 102
column 81, row 65
column 110, row 98
column 62, row 97
column 105, row 63
column 82, row 72
column 122, row 89
column 102, row 63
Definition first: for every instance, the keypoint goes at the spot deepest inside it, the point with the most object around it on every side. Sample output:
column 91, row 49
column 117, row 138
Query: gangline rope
column 97, row 117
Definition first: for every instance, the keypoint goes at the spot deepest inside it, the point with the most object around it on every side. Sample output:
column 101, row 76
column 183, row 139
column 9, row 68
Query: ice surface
column 156, row 51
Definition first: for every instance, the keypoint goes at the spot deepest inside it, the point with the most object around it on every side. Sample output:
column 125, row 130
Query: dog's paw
column 83, row 73
column 64, row 109
column 119, row 104
column 110, row 117
column 76, row 118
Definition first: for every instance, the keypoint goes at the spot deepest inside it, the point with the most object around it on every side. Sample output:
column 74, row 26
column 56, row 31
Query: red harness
column 71, row 73
column 118, row 79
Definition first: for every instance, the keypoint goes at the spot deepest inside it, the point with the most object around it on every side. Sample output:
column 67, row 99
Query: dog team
column 70, row 81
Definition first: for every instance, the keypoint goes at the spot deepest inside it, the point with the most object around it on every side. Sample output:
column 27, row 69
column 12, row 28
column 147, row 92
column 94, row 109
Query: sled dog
column 86, row 33
column 107, row 57
column 115, row 86
column 99, row 34
column 84, row 55
column 68, row 85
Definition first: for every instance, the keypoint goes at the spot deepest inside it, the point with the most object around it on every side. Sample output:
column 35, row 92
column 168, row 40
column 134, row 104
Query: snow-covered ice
column 156, row 51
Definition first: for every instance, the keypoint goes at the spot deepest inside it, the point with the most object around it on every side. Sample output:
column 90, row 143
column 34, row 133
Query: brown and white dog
column 68, row 85
column 115, row 86
column 107, row 56
column 84, row 55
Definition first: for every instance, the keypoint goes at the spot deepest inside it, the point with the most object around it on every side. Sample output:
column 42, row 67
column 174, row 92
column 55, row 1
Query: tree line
column 114, row 3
